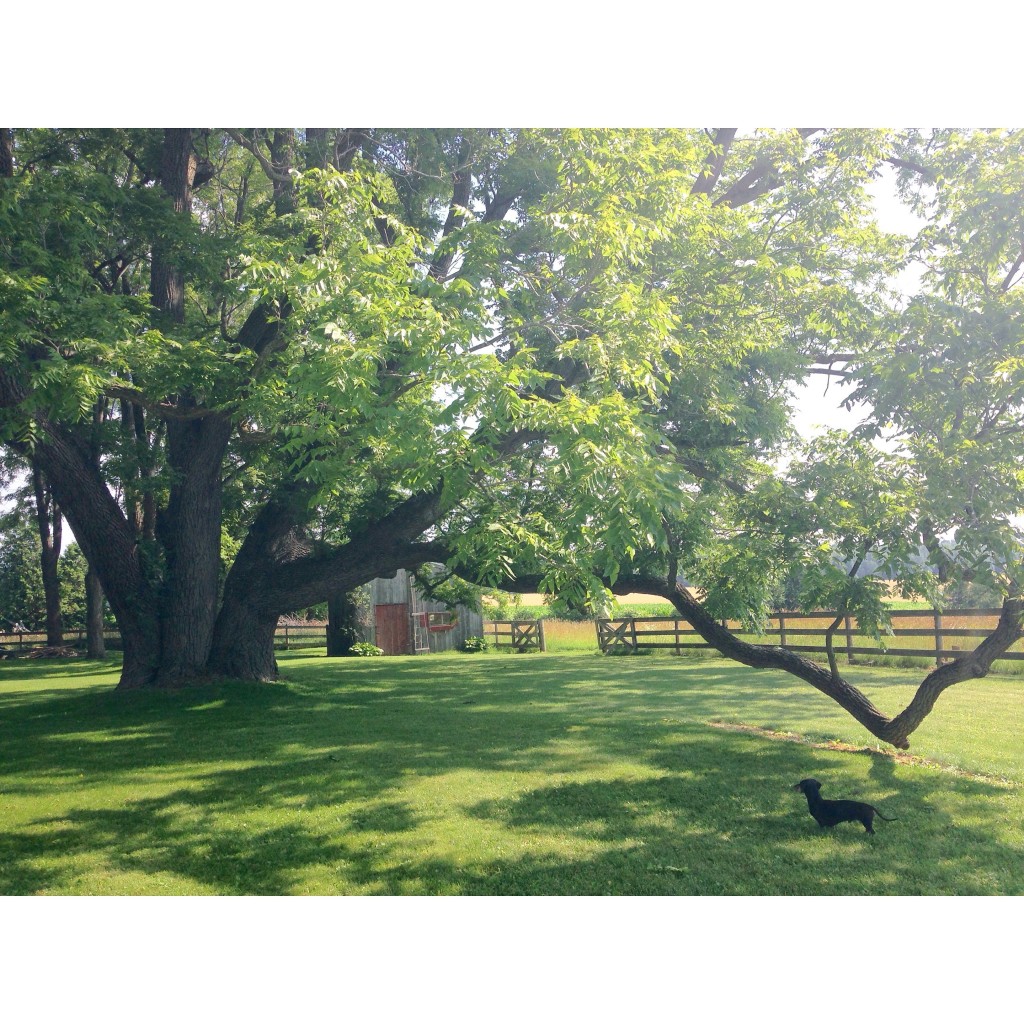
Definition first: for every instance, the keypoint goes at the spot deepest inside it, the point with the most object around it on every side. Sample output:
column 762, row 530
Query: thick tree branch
column 763, row 177
column 840, row 616
column 895, row 731
column 1008, row 281
column 974, row 665
column 910, row 165
column 263, row 330
column 165, row 410
column 13, row 389
column 715, row 162
column 275, row 174
column 760, row 179
column 462, row 180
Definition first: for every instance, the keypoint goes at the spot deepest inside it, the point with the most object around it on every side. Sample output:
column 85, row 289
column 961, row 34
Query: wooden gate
column 618, row 635
column 392, row 621
column 520, row 634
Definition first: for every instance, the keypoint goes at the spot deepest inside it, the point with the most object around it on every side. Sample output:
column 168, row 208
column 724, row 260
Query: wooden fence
column 928, row 634
column 286, row 637
column 520, row 634
column 289, row 637
column 18, row 643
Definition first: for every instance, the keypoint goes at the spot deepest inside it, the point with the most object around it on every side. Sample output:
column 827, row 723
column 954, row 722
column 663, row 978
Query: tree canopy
column 259, row 367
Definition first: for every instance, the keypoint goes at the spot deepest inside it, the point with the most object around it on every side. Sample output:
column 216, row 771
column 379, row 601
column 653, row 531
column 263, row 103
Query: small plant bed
column 366, row 650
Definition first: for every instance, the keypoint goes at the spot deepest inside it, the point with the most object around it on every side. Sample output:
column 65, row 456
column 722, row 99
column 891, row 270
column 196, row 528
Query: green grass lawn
column 497, row 774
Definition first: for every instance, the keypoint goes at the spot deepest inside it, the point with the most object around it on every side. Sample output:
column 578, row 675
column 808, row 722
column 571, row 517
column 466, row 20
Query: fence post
column 543, row 642
column 675, row 625
column 632, row 630
column 782, row 630
column 937, row 618
column 849, row 641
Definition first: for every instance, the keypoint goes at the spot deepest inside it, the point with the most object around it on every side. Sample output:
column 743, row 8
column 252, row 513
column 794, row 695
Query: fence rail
column 519, row 634
column 677, row 635
column 289, row 637
column 26, row 641
column 286, row 637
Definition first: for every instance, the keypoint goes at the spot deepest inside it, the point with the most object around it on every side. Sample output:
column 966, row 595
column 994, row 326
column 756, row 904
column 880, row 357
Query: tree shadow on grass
column 154, row 837
column 718, row 822
column 30, row 670
column 256, row 789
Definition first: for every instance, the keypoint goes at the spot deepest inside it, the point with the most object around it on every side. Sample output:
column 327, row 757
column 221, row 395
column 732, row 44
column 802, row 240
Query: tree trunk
column 177, row 171
column 96, row 646
column 6, row 153
column 318, row 146
column 132, row 575
column 243, row 644
column 109, row 545
column 190, row 530
column 191, row 539
column 344, row 623
column 282, row 155
column 48, row 518
column 243, row 639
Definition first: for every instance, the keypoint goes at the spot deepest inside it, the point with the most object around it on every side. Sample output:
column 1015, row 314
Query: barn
column 403, row 621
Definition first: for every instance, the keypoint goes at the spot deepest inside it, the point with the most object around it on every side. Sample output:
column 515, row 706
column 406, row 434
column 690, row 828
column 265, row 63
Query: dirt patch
column 850, row 748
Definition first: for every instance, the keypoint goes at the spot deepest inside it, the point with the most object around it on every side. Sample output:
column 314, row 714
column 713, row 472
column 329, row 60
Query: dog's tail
column 883, row 817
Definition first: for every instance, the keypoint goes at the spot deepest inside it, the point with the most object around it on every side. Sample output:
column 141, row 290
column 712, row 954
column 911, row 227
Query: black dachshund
column 830, row 812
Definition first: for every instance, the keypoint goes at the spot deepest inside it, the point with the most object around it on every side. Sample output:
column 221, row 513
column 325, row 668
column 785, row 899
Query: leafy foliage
column 362, row 649
column 22, row 599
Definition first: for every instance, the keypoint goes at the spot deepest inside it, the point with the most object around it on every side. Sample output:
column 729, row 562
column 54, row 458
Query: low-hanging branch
column 894, row 730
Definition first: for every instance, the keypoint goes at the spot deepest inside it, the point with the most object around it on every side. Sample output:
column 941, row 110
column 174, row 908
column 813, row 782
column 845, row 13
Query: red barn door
column 393, row 628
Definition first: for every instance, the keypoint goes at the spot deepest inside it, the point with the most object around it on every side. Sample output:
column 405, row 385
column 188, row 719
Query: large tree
column 565, row 353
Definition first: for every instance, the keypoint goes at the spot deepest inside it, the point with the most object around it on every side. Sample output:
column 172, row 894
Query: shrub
column 365, row 650
column 474, row 645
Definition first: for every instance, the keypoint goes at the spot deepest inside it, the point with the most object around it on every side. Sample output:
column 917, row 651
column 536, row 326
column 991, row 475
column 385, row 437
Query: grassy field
column 497, row 774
